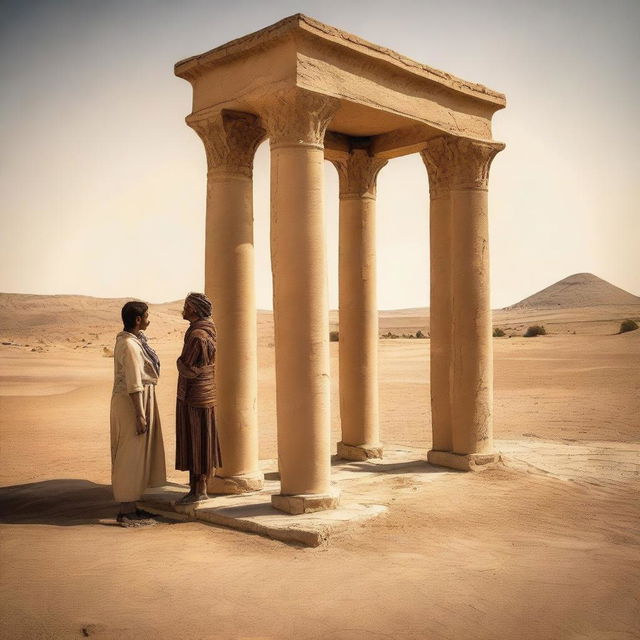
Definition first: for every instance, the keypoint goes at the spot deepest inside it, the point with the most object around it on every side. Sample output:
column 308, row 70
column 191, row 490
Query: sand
column 546, row 547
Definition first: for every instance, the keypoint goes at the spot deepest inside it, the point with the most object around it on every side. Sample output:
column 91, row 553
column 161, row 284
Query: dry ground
column 545, row 549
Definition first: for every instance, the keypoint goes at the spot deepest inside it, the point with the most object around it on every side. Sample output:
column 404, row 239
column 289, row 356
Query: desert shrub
column 628, row 325
column 334, row 336
column 498, row 332
column 390, row 335
column 419, row 334
column 535, row 330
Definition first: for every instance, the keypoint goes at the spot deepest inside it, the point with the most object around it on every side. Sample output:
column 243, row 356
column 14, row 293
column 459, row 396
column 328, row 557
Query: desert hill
column 578, row 290
column 581, row 303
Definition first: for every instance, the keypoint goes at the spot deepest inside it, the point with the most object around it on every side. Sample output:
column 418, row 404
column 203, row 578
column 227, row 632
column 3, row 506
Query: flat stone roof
column 382, row 94
column 253, row 41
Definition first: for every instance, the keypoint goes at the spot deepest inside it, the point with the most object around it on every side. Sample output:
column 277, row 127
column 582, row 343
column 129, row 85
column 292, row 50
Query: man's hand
column 138, row 407
column 141, row 424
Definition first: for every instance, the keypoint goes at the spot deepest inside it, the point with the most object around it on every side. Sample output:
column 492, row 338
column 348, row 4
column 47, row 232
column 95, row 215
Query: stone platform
column 365, row 487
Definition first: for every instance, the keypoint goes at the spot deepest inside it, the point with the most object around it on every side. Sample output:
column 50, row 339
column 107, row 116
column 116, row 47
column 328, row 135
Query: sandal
column 130, row 520
column 141, row 513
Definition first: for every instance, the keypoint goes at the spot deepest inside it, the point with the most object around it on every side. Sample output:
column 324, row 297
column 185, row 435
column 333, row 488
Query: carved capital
column 230, row 140
column 358, row 173
column 458, row 163
column 298, row 117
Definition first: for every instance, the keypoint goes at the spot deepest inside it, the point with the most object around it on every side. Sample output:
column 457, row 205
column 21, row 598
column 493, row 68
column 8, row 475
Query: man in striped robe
column 197, row 447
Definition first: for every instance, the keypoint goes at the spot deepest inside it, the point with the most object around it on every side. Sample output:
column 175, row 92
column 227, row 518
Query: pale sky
column 102, row 184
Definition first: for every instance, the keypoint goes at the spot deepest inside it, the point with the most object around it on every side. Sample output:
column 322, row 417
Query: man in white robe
column 137, row 449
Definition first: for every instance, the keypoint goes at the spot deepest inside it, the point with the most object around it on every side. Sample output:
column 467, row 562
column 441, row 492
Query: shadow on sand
column 395, row 468
column 63, row 502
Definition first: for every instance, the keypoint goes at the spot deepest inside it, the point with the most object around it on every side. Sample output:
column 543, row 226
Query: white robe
column 137, row 461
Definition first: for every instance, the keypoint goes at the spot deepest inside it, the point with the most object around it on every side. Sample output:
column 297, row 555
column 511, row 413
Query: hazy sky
column 103, row 185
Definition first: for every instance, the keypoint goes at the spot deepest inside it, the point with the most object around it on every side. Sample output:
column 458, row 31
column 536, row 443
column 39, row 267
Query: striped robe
column 197, row 446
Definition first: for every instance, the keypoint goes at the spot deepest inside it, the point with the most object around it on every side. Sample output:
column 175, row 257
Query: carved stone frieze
column 458, row 163
column 358, row 173
column 296, row 116
column 230, row 140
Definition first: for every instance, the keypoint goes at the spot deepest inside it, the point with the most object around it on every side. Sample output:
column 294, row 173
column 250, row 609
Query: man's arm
column 141, row 421
column 190, row 362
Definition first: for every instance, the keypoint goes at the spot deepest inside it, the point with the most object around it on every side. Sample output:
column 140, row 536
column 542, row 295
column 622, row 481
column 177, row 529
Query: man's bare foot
column 191, row 498
column 187, row 498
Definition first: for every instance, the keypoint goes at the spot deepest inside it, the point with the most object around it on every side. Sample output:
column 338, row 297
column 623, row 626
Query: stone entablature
column 380, row 91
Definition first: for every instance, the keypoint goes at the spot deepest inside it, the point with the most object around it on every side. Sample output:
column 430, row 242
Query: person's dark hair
column 131, row 311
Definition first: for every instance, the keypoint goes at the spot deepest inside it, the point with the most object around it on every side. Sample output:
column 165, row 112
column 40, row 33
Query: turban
column 200, row 304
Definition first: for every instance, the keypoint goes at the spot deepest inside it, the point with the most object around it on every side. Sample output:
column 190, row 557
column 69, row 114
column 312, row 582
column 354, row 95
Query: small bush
column 628, row 325
column 498, row 332
column 535, row 330
column 390, row 335
column 420, row 335
column 334, row 336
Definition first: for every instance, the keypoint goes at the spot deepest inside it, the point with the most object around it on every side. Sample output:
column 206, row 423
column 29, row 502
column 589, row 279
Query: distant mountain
column 578, row 290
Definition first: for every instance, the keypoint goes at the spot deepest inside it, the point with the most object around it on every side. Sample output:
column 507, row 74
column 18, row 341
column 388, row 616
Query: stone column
column 296, row 122
column 436, row 159
column 358, row 306
column 230, row 140
column 461, row 167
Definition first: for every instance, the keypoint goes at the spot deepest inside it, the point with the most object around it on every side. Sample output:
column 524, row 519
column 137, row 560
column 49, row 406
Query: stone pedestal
column 230, row 140
column 358, row 309
column 358, row 453
column 307, row 503
column 245, row 483
column 468, row 462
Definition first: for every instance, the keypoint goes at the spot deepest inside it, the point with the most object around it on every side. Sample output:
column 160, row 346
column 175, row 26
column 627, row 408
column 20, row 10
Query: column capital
column 230, row 140
column 297, row 117
column 358, row 172
column 455, row 163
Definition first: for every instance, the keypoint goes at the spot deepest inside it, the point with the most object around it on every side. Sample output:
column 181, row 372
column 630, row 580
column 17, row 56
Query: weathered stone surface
column 306, row 503
column 468, row 462
column 380, row 91
column 236, row 484
column 255, row 513
column 458, row 163
column 230, row 140
column 349, row 452
column 297, row 117
column 357, row 172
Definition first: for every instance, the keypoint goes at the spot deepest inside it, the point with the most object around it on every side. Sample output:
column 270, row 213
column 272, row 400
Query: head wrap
column 200, row 304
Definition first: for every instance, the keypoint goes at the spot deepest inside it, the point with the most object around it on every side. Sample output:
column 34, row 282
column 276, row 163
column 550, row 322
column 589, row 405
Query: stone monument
column 319, row 94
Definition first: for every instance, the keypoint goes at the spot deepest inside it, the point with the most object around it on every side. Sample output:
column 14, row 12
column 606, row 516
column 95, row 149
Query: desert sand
column 545, row 547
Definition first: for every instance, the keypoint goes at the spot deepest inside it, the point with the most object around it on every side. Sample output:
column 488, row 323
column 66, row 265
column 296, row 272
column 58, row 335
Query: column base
column 245, row 483
column 306, row 502
column 464, row 462
column 358, row 452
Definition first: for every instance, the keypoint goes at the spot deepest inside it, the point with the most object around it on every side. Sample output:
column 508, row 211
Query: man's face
column 144, row 321
column 187, row 311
